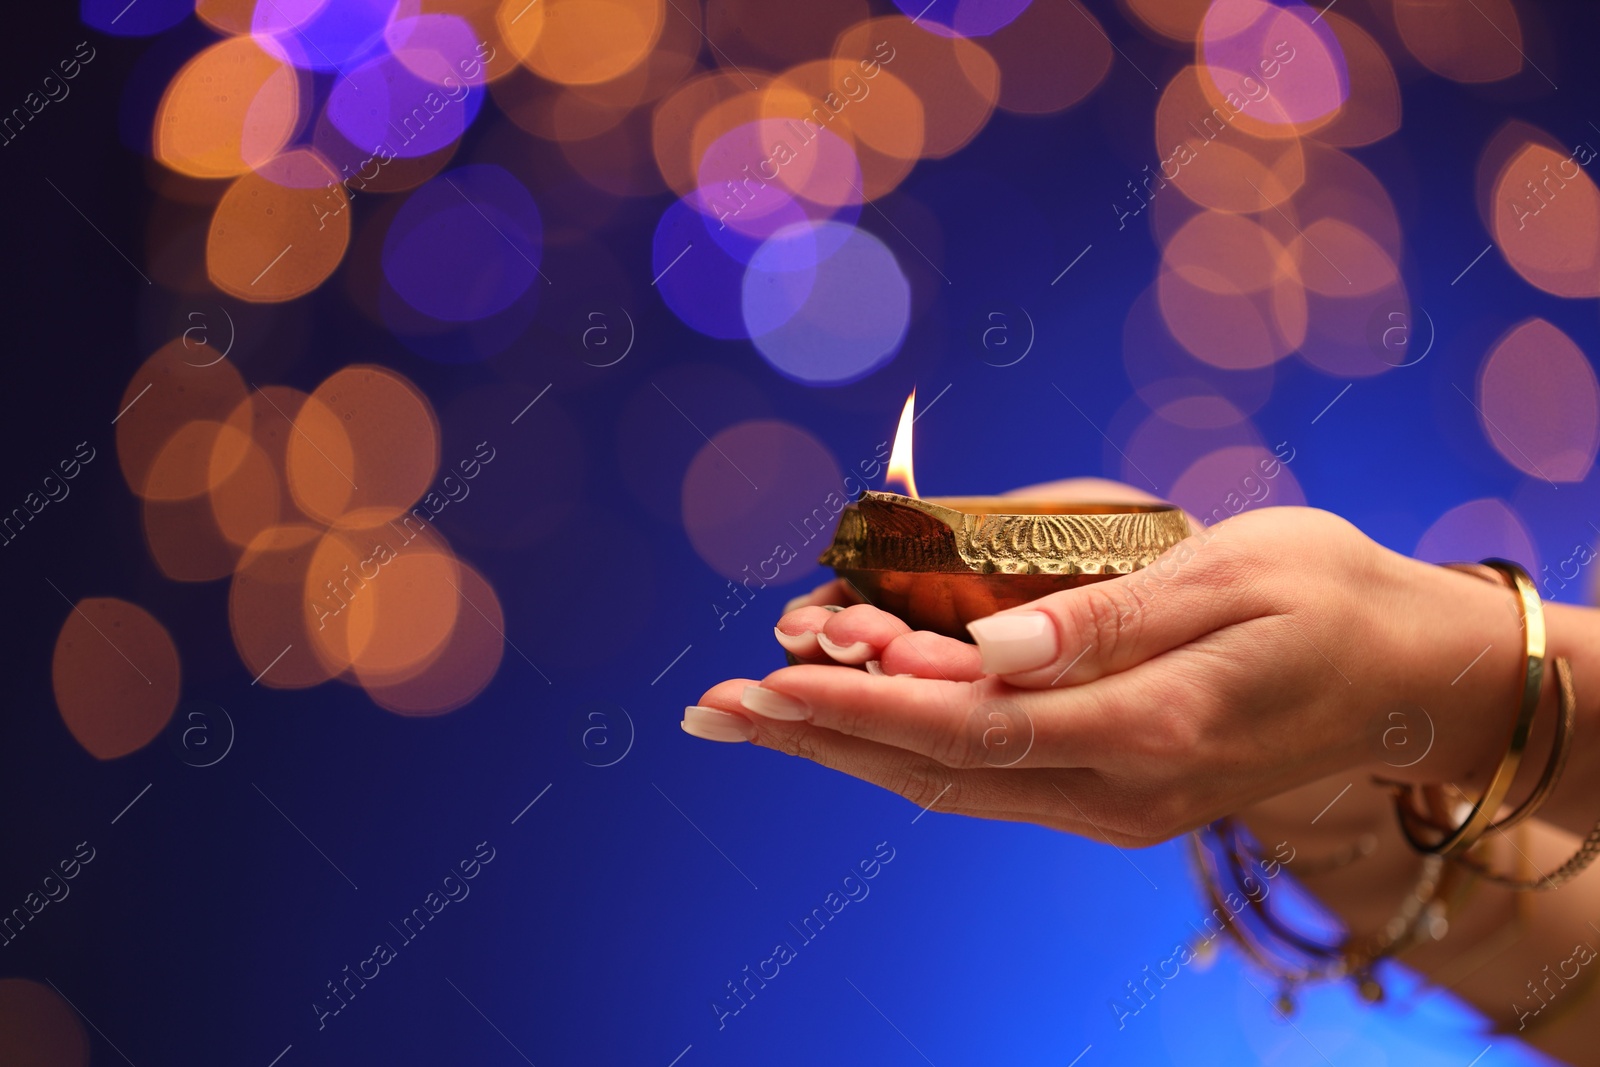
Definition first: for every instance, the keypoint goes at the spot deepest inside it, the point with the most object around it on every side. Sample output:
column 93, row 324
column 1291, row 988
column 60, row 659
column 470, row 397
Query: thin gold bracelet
column 1480, row 819
column 1587, row 851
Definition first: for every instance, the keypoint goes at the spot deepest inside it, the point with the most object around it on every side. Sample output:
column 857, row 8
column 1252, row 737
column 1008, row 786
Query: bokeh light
column 228, row 111
column 325, row 35
column 442, row 50
column 1479, row 41
column 1371, row 109
column 826, row 317
column 1547, row 221
column 757, row 33
column 378, row 169
column 1163, row 371
column 165, row 396
column 698, row 278
column 754, row 182
column 955, row 78
column 676, row 139
column 1176, row 20
column 465, row 663
column 1233, row 480
column 1274, row 66
column 1476, row 530
column 1169, row 441
column 271, row 620
column 1205, row 154
column 279, row 231
column 386, row 108
column 365, row 448
column 231, row 17
column 1052, row 56
column 582, row 42
column 760, row 500
column 1539, row 403
column 496, row 58
column 382, row 600
column 820, row 107
column 115, row 675
column 465, row 245
column 185, row 541
column 38, row 1028
column 123, row 19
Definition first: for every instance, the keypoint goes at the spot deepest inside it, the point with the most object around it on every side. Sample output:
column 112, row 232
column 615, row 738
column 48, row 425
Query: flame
column 900, row 455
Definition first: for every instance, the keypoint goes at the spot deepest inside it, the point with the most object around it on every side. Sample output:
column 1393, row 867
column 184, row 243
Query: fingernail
column 1020, row 641
column 712, row 724
column 853, row 655
column 771, row 705
column 803, row 643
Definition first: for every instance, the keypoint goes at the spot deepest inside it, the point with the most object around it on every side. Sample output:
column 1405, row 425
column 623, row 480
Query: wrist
column 1457, row 647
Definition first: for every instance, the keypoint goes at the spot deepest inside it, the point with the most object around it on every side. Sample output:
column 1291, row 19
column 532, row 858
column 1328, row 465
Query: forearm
column 1575, row 804
column 1456, row 647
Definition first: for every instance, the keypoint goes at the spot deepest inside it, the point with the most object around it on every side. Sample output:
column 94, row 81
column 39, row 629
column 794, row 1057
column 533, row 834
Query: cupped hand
column 1260, row 654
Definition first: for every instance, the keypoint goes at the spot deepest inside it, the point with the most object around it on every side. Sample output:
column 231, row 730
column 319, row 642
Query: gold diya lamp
column 940, row 562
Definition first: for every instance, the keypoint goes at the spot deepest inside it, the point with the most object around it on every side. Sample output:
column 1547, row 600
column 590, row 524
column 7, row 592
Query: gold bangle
column 1480, row 819
column 1587, row 851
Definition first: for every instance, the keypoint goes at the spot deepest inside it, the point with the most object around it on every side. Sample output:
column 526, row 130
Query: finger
column 1078, row 635
column 797, row 632
column 957, row 723
column 858, row 634
column 1093, row 490
column 927, row 783
column 930, row 655
column 1080, row 802
column 1080, row 490
column 718, row 716
column 833, row 634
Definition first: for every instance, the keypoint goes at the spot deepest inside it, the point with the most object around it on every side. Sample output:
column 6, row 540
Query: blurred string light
column 1275, row 242
column 312, row 132
column 318, row 508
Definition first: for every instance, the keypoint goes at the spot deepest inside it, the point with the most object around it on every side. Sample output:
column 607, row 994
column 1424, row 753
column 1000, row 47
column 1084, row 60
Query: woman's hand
column 1268, row 651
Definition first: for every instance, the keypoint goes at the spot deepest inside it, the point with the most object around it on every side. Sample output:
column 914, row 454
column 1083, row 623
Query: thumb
column 1088, row 632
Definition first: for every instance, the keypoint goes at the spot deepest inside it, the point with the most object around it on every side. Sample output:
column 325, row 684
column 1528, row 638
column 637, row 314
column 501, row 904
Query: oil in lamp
column 940, row 562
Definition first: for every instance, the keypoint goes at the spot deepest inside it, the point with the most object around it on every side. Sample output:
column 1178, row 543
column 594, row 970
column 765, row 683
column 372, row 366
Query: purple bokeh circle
column 465, row 245
column 965, row 18
column 383, row 105
column 140, row 19
column 696, row 276
column 827, row 321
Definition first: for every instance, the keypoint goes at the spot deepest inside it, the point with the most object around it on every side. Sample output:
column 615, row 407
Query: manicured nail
column 1016, row 642
column 803, row 643
column 771, row 705
column 712, row 724
column 852, row 655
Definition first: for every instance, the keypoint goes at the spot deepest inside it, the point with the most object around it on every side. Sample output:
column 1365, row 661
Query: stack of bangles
column 1450, row 834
